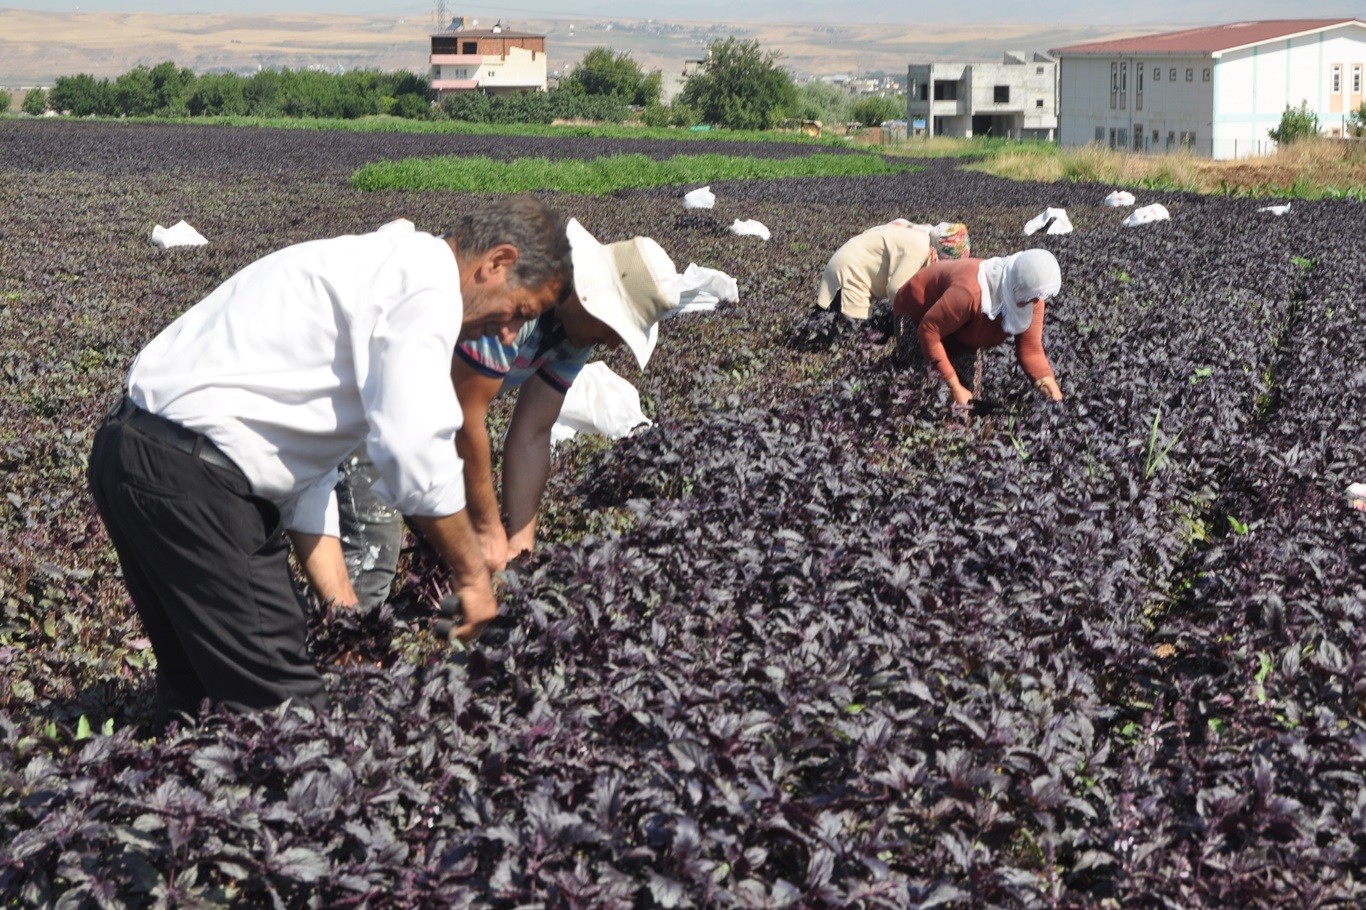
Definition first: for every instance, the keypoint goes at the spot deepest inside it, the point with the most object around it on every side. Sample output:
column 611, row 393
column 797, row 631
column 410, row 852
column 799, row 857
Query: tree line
column 741, row 86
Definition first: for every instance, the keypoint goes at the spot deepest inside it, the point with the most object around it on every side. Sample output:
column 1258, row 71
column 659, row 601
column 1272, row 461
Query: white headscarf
column 1007, row 281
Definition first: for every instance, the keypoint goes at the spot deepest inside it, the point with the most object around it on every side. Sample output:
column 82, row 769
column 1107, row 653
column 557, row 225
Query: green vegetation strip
column 603, row 175
column 384, row 123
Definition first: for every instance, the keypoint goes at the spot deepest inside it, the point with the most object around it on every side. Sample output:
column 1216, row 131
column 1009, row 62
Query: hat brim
column 600, row 275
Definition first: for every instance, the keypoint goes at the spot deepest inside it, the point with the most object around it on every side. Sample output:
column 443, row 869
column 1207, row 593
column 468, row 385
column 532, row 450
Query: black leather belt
column 172, row 433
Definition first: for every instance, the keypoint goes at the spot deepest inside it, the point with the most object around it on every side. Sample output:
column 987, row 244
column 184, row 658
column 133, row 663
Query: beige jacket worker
column 873, row 266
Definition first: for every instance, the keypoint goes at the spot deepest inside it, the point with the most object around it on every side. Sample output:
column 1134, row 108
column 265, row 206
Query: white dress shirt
column 292, row 362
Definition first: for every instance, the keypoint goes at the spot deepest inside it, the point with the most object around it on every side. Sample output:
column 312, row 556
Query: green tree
column 171, row 87
column 5, row 100
column 817, row 100
column 741, row 87
column 134, row 94
column 603, row 72
column 1296, row 123
column 873, row 109
column 83, row 96
column 35, row 103
column 217, row 95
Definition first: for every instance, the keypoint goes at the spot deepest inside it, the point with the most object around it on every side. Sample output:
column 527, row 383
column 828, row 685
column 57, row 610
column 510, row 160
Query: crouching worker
column 966, row 305
column 236, row 416
column 620, row 291
column 872, row 266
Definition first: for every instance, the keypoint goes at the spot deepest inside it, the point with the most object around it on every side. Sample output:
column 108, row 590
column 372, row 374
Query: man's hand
column 494, row 541
column 321, row 558
column 961, row 393
column 453, row 537
column 457, row 622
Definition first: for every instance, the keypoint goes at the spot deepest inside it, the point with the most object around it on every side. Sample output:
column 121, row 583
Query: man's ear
column 499, row 260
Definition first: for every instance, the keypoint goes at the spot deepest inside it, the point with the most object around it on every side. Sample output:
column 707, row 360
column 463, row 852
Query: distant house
column 1215, row 90
column 496, row 61
column 1016, row 98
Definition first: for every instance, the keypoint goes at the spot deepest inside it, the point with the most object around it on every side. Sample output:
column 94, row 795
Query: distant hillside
column 36, row 47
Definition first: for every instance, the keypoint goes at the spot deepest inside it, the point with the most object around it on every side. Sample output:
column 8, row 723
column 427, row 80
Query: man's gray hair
column 534, row 228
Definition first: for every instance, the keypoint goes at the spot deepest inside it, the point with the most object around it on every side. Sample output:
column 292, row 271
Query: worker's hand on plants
column 1049, row 386
column 493, row 540
column 961, row 393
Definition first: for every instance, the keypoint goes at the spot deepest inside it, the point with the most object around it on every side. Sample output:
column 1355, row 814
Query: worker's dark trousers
column 206, row 565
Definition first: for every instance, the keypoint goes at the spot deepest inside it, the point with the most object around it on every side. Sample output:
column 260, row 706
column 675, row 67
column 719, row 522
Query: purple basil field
column 812, row 640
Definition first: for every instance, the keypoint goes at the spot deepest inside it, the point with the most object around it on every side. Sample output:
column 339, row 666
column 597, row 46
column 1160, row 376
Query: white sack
column 1147, row 215
column 1056, row 220
column 599, row 402
column 750, row 228
column 702, row 198
column 1119, row 198
column 1276, row 209
column 702, row 289
column 178, row 234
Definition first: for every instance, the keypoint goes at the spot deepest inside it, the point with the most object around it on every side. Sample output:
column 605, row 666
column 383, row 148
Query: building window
column 1138, row 91
column 1190, row 74
column 1038, row 70
column 1100, row 134
column 1114, row 86
column 946, row 91
column 1138, row 137
column 1356, row 78
column 1171, row 138
column 1038, row 102
column 1157, row 74
column 1206, row 74
column 1337, row 78
column 1123, row 86
column 1001, row 94
column 1157, row 137
column 469, row 47
column 1171, row 76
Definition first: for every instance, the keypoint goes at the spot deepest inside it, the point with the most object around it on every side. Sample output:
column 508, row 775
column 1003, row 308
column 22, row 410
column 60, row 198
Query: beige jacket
column 873, row 266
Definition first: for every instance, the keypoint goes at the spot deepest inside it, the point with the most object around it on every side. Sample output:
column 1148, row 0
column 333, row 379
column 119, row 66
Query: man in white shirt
column 237, row 415
column 621, row 291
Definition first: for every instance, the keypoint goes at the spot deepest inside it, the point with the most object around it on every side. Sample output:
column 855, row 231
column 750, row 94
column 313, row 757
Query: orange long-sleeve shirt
column 944, row 301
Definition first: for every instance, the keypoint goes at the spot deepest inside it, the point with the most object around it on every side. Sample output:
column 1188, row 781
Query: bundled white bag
column 1147, row 215
column 599, row 402
column 750, row 228
column 1119, row 198
column 178, row 234
column 1050, row 221
column 702, row 198
column 702, row 289
column 1276, row 209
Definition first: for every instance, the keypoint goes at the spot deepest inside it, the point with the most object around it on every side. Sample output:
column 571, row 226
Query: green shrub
column 1356, row 122
column 35, row 103
column 1296, row 123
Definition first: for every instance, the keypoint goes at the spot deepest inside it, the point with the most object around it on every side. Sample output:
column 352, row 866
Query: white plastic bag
column 1276, row 209
column 750, row 228
column 1147, row 215
column 178, row 234
column 1050, row 221
column 702, row 198
column 1119, row 198
column 702, row 289
column 599, row 402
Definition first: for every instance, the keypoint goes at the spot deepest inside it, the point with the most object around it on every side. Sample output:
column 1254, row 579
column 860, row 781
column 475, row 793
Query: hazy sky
column 1071, row 12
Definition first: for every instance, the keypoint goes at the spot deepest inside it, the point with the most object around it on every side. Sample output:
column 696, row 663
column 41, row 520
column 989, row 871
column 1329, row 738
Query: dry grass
column 1310, row 169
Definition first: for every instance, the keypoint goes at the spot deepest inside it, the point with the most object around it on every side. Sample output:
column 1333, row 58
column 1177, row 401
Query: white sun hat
column 629, row 285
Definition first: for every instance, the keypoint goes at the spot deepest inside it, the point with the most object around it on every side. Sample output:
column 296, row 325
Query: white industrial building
column 1014, row 99
column 1217, row 90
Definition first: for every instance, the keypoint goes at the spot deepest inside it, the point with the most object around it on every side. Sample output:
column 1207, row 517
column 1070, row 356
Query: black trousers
column 206, row 564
